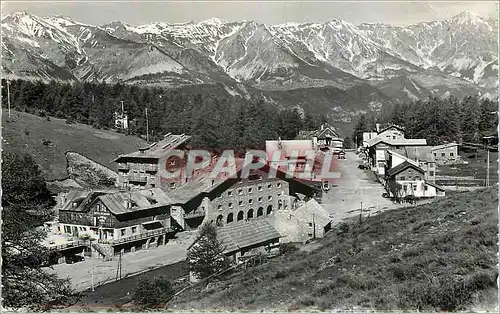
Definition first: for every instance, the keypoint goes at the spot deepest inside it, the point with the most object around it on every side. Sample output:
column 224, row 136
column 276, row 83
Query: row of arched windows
column 241, row 215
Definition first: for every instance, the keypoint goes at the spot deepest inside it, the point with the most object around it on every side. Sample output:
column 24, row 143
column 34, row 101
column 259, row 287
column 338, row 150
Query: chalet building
column 326, row 137
column 407, row 178
column 391, row 132
column 141, row 168
column 423, row 161
column 120, row 222
column 377, row 147
column 446, row 154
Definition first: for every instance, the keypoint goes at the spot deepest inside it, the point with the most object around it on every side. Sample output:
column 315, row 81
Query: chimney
column 322, row 127
column 378, row 127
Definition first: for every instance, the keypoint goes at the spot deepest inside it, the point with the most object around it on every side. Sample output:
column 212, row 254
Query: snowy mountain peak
column 214, row 21
column 467, row 17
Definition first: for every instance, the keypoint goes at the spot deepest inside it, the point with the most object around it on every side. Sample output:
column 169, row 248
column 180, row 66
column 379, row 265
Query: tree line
column 437, row 120
column 214, row 118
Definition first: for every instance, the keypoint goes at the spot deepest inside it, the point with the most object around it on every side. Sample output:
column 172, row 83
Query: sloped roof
column 434, row 185
column 391, row 152
column 395, row 170
column 398, row 142
column 392, row 126
column 421, row 153
column 141, row 199
column 312, row 207
column 327, row 130
column 158, row 149
column 242, row 234
column 443, row 146
column 81, row 197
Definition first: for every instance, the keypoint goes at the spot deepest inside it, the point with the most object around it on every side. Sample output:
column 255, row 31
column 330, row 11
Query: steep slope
column 435, row 257
column 48, row 141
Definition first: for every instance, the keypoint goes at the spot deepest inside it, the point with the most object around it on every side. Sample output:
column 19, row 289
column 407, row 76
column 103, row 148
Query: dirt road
column 354, row 189
column 80, row 273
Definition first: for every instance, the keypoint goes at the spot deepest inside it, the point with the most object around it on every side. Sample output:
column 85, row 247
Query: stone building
column 226, row 200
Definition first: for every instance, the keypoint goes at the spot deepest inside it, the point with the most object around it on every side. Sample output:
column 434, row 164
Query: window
column 240, row 203
column 250, row 201
column 278, row 185
column 259, row 188
column 240, row 192
column 310, row 224
column 172, row 185
column 451, row 154
column 269, row 198
column 269, row 186
column 219, row 207
column 279, row 193
column 417, row 178
column 122, row 232
column 230, row 205
column 98, row 207
column 393, row 137
column 310, row 235
column 435, row 154
column 425, row 187
column 229, row 193
column 134, row 230
column 443, row 154
column 249, row 190
column 260, row 199
column 431, row 173
column 402, row 178
column 404, row 187
column 414, row 188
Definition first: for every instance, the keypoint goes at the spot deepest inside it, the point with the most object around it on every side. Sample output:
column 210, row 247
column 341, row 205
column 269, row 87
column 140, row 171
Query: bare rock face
column 89, row 173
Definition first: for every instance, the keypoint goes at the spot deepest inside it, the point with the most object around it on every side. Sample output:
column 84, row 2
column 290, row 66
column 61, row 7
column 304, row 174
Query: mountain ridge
column 456, row 56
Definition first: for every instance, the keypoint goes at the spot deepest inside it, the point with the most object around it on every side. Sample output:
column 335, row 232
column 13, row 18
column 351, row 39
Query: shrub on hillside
column 152, row 293
column 286, row 248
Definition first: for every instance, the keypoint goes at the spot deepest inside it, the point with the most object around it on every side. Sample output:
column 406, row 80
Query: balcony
column 137, row 178
column 194, row 214
column 137, row 237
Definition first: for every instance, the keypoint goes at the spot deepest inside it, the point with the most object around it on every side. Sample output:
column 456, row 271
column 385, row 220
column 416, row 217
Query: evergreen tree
column 206, row 257
column 26, row 204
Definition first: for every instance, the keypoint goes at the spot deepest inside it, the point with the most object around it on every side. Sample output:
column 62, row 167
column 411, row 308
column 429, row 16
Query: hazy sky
column 269, row 12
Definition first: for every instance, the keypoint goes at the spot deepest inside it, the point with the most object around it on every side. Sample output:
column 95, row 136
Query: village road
column 105, row 271
column 354, row 189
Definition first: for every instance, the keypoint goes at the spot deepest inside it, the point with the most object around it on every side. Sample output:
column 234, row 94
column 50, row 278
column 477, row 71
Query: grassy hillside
column 439, row 256
column 48, row 141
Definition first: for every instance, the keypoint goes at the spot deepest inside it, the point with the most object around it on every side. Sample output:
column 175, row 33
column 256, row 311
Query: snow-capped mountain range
column 457, row 55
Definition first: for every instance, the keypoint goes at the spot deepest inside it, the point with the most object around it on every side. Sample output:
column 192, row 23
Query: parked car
column 385, row 195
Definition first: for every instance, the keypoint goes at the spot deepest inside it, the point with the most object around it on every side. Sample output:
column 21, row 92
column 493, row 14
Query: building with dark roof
column 118, row 221
column 140, row 168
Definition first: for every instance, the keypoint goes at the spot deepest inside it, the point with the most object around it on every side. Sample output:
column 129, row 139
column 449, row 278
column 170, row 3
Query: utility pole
column 360, row 213
column 147, row 126
column 119, row 268
column 488, row 166
column 314, row 228
column 8, row 95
